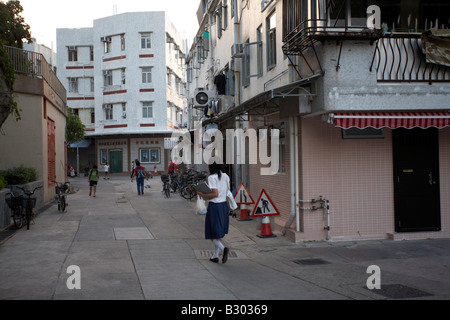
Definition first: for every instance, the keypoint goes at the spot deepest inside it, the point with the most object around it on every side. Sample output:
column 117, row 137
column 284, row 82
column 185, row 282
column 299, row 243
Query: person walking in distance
column 217, row 218
column 106, row 166
column 93, row 179
column 140, row 173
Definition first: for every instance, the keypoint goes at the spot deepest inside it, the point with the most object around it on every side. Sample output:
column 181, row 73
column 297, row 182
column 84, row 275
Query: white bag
column 201, row 206
column 231, row 202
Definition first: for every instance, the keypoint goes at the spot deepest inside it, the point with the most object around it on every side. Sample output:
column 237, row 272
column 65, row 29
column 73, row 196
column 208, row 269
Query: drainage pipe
column 292, row 174
column 297, row 188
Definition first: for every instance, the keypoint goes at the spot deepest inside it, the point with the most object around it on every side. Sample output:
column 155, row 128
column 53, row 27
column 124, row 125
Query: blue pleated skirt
column 217, row 220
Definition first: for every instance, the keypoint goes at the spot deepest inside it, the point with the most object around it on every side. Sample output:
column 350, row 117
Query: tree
column 74, row 128
column 13, row 31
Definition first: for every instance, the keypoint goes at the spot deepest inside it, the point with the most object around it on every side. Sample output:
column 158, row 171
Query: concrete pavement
column 131, row 247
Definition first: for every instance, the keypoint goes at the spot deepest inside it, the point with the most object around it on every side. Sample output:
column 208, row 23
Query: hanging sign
column 264, row 206
column 242, row 196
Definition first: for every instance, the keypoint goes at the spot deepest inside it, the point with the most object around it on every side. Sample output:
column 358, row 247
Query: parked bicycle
column 15, row 204
column 192, row 179
column 29, row 202
column 62, row 189
column 166, row 185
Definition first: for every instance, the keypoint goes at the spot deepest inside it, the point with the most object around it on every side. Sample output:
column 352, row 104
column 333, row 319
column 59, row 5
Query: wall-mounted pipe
column 325, row 205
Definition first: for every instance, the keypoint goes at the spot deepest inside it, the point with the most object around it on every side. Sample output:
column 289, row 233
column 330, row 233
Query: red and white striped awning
column 392, row 120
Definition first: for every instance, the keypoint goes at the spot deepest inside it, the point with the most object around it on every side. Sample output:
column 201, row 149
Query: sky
column 45, row 16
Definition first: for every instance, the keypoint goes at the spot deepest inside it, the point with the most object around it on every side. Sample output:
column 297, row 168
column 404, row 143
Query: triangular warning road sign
column 264, row 206
column 242, row 195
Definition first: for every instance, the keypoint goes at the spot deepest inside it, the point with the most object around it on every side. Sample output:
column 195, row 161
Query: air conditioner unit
column 202, row 97
column 237, row 50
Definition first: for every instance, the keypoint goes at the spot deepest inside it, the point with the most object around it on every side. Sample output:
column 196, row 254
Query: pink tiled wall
column 356, row 176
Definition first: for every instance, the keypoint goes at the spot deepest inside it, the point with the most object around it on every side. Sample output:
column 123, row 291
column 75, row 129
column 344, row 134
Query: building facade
column 360, row 104
column 125, row 80
column 37, row 140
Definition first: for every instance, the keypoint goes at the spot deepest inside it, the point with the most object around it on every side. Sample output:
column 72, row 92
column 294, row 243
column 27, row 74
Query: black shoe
column 225, row 255
column 215, row 260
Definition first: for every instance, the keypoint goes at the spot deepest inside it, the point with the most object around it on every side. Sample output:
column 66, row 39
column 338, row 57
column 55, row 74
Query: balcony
column 34, row 65
column 400, row 58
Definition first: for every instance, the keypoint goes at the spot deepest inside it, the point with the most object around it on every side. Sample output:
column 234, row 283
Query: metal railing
column 33, row 64
column 399, row 58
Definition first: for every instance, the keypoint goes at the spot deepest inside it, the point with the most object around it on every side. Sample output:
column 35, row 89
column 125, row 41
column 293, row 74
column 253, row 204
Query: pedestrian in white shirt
column 217, row 219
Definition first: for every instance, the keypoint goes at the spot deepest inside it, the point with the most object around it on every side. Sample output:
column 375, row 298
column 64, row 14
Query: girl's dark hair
column 216, row 168
column 138, row 163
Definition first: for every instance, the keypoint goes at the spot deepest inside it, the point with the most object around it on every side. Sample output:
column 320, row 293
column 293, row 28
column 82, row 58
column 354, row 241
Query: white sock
column 216, row 252
column 219, row 244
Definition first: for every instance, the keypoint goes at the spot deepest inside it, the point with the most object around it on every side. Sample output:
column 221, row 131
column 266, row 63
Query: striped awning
column 390, row 120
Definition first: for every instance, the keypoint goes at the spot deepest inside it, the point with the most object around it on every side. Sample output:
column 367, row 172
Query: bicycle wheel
column 18, row 218
column 184, row 192
column 28, row 217
column 192, row 193
column 63, row 204
column 167, row 190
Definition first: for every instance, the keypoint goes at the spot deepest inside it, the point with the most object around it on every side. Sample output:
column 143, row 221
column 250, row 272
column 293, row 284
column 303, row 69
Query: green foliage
column 74, row 128
column 2, row 183
column 19, row 175
column 13, row 32
column 13, row 29
column 8, row 75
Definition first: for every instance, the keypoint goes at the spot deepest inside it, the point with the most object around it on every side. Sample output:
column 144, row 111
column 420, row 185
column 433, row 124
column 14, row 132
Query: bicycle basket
column 29, row 203
column 14, row 203
column 164, row 177
column 57, row 189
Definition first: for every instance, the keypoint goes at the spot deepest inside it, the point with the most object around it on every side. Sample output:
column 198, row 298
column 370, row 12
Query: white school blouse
column 222, row 185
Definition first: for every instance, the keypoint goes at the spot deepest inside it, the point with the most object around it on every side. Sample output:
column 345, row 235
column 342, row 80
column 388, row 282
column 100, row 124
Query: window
column 92, row 115
column 149, row 155
column 107, row 78
column 146, row 40
column 271, row 40
column 122, row 42
column 109, row 115
column 169, row 77
column 147, row 109
column 246, row 73
column 73, row 53
column 123, row 76
column 103, row 156
column 92, row 84
column 124, row 110
column 225, row 14
column 91, row 52
column 146, row 75
column 282, row 158
column 107, row 45
column 73, row 85
column 259, row 37
column 219, row 21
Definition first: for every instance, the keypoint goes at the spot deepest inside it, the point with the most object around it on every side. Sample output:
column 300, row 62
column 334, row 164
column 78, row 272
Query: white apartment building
column 125, row 79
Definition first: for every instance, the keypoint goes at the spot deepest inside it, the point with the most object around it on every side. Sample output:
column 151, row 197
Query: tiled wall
column 356, row 176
